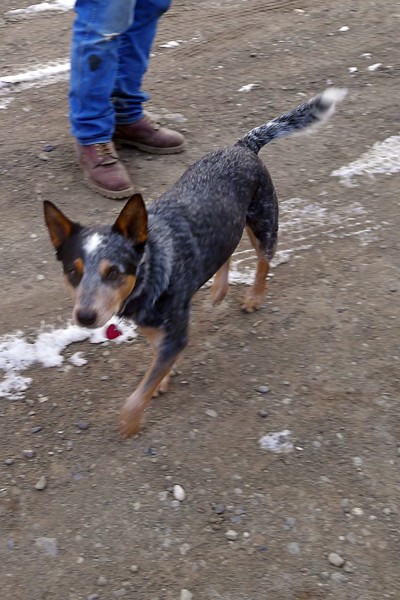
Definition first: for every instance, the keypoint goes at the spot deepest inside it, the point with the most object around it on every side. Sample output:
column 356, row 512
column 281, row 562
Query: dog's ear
column 59, row 226
column 132, row 221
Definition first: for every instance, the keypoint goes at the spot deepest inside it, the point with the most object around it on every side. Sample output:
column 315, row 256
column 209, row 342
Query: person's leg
column 96, row 38
column 94, row 66
column 134, row 51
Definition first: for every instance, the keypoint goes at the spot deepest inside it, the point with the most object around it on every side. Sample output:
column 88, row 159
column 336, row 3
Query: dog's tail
column 305, row 117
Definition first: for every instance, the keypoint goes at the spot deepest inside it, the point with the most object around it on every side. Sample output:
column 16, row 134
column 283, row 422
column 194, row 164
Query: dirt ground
column 326, row 344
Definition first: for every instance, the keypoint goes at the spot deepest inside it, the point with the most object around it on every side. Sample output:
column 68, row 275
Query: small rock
column 36, row 429
column 43, row 156
column 186, row 595
column 348, row 568
column 9, row 462
column 29, row 453
column 263, row 413
column 82, row 425
column 335, row 559
column 119, row 593
column 179, row 493
column 134, row 568
column 47, row 545
column 358, row 512
column 338, row 577
column 324, row 575
column 219, row 509
column 231, row 535
column 290, row 522
column 293, row 548
column 102, row 581
column 93, row 597
column 358, row 462
column 49, row 148
column 41, row 484
column 262, row 389
column 211, row 413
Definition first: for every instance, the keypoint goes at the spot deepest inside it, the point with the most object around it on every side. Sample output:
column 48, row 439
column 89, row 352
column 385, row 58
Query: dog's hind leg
column 167, row 346
column 254, row 298
column 220, row 285
column 262, row 229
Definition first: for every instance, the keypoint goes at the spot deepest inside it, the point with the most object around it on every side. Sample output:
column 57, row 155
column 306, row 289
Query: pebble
column 348, row 567
column 93, row 597
column 102, row 580
column 358, row 512
column 186, row 595
column 336, row 560
column 262, row 389
column 290, row 522
column 339, row 577
column 119, row 593
column 43, row 156
column 29, row 453
column 47, row 545
column 9, row 462
column 41, row 484
column 263, row 413
column 231, row 535
column 211, row 413
column 49, row 148
column 219, row 509
column 134, row 568
column 36, row 429
column 358, row 462
column 82, row 425
column 179, row 493
column 293, row 548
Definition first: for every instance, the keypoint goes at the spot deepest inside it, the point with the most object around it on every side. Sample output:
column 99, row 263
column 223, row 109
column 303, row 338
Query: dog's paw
column 252, row 302
column 163, row 387
column 131, row 419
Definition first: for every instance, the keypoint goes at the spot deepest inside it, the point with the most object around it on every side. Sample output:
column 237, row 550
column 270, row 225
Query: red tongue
column 112, row 332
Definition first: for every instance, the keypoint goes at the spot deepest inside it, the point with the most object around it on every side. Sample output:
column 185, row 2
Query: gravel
column 336, row 560
column 41, row 484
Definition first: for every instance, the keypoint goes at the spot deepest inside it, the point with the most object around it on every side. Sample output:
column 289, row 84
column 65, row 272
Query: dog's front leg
column 167, row 347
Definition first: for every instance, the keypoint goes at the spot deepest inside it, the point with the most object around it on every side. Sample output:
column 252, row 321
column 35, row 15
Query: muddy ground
column 326, row 344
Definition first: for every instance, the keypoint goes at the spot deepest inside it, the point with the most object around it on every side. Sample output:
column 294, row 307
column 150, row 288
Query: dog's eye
column 74, row 276
column 113, row 274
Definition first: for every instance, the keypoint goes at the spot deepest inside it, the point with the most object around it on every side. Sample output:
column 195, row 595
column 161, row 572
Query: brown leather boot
column 149, row 136
column 103, row 170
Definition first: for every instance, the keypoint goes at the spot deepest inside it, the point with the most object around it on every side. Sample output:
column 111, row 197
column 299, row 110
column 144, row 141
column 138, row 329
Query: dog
column 148, row 265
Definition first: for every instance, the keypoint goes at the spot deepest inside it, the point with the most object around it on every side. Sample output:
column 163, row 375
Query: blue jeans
column 111, row 44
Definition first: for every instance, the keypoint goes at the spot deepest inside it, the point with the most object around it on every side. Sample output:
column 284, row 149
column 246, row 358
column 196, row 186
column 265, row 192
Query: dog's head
column 99, row 263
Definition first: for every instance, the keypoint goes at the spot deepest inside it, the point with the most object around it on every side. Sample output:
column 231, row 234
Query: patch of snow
column 277, row 442
column 18, row 354
column 382, row 158
column 248, row 87
column 57, row 5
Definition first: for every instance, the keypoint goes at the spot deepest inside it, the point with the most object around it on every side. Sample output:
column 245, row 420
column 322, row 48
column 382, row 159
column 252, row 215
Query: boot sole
column 151, row 149
column 113, row 195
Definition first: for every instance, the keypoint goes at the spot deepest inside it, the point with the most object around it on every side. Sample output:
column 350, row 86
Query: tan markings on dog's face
column 74, row 275
column 108, row 296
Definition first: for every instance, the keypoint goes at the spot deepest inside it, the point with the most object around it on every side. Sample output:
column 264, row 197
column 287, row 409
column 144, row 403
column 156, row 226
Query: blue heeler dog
column 148, row 265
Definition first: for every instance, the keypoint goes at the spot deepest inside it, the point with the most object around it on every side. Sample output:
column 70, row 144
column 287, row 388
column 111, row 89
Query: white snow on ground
column 277, row 442
column 38, row 77
column 248, row 87
column 17, row 353
column 57, row 5
column 383, row 158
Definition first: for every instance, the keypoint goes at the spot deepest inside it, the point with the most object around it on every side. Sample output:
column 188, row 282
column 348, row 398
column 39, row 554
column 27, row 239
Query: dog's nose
column 86, row 317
